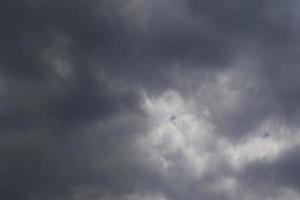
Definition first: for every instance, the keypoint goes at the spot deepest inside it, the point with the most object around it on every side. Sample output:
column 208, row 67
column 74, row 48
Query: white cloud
column 169, row 143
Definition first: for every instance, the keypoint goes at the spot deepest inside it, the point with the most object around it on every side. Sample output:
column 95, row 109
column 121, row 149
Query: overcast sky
column 149, row 100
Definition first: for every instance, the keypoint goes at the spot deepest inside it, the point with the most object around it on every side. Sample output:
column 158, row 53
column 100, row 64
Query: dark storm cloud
column 265, row 177
column 69, row 66
column 41, row 112
column 267, row 34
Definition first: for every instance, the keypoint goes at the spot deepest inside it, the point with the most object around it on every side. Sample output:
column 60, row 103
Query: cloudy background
column 149, row 100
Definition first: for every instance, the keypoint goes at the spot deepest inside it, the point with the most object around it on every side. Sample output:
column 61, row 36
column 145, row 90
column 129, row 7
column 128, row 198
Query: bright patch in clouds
column 180, row 141
column 183, row 137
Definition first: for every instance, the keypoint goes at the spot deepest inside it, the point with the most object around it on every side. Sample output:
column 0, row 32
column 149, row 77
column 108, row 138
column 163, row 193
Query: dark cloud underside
column 72, row 79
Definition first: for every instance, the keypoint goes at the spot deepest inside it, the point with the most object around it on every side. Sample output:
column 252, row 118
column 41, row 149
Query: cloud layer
column 151, row 100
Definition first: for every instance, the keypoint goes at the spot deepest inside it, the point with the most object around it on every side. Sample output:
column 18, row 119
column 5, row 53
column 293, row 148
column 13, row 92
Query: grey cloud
column 70, row 81
column 266, row 178
column 281, row 172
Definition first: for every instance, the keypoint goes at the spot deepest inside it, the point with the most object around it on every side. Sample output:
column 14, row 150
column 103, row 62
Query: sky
column 149, row 100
